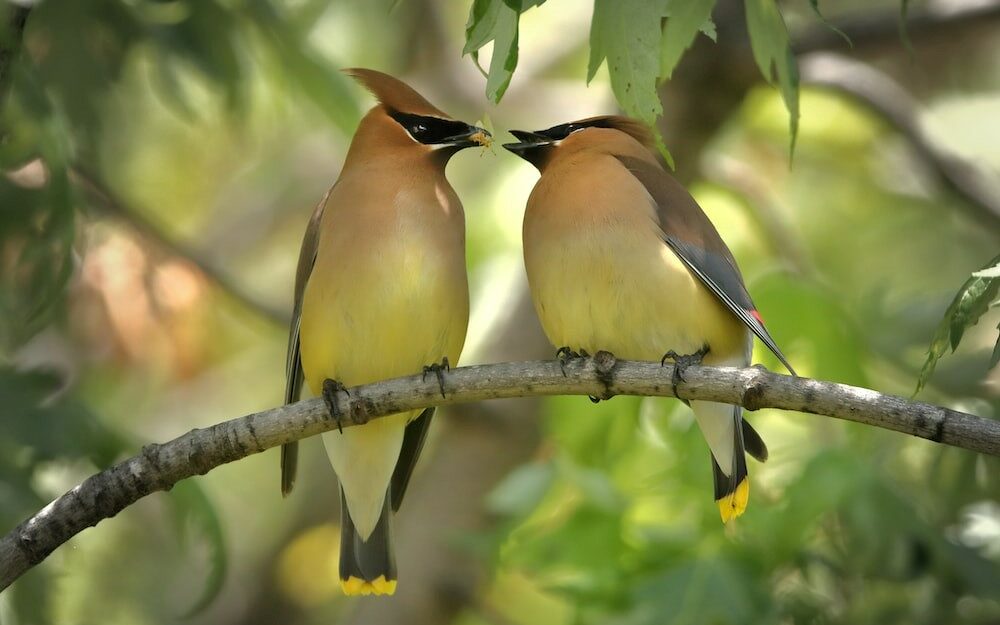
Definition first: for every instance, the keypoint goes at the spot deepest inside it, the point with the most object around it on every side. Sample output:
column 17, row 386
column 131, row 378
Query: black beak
column 472, row 136
column 528, row 141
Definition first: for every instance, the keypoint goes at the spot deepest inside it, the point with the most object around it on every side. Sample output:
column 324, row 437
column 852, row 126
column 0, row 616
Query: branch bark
column 159, row 467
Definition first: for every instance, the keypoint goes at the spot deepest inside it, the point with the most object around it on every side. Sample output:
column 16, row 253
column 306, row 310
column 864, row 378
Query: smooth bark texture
column 159, row 467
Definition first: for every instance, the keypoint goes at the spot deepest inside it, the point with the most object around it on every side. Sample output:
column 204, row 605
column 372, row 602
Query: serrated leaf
column 773, row 53
column 496, row 21
column 482, row 23
column 687, row 18
column 969, row 304
column 708, row 29
column 193, row 509
column 627, row 33
column 815, row 7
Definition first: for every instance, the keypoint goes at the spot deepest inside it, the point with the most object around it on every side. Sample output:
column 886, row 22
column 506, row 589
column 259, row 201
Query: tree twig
column 879, row 92
column 107, row 201
column 159, row 467
column 879, row 27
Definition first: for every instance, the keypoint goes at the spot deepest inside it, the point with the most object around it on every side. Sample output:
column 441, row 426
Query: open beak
column 528, row 140
column 472, row 136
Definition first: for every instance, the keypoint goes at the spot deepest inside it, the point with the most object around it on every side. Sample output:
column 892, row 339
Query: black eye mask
column 429, row 130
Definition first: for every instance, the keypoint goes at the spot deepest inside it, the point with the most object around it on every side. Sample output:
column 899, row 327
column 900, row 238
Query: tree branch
column 881, row 27
column 159, row 467
column 883, row 95
column 112, row 205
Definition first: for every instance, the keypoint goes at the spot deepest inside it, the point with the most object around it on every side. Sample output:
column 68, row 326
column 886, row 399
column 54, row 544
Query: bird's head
column 610, row 132
column 405, row 120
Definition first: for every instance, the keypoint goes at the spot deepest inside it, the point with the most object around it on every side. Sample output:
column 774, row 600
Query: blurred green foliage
column 971, row 302
column 220, row 122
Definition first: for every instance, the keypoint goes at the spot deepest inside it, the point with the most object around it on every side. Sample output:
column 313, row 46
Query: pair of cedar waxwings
column 619, row 258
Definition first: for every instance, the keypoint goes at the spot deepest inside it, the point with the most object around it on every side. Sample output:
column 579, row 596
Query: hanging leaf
column 773, row 53
column 815, row 7
column 496, row 21
column 970, row 303
column 627, row 33
column 687, row 18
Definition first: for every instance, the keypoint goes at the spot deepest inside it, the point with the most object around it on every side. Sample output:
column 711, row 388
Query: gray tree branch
column 110, row 204
column 886, row 97
column 159, row 467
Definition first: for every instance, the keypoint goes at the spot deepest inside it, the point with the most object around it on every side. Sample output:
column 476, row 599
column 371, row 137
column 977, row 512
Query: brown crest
column 393, row 93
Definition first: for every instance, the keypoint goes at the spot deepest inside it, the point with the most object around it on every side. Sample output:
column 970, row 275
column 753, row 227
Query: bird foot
column 681, row 363
column 565, row 355
column 330, row 390
column 438, row 369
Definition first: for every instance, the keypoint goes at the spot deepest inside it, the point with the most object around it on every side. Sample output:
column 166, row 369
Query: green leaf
column 327, row 88
column 904, row 34
column 995, row 358
column 627, row 33
column 193, row 509
column 496, row 21
column 773, row 53
column 989, row 272
column 687, row 18
column 969, row 304
column 521, row 491
column 815, row 7
column 704, row 590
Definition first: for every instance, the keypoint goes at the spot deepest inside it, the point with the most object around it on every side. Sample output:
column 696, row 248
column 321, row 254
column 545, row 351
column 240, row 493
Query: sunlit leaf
column 686, row 19
column 772, row 51
column 991, row 272
column 496, row 21
column 969, row 304
column 627, row 33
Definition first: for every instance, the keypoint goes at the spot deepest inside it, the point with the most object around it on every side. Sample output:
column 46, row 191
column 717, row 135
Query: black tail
column 753, row 443
column 367, row 566
column 733, row 490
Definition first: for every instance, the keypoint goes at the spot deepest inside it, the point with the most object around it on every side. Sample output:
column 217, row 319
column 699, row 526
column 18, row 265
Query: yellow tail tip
column 735, row 503
column 378, row 586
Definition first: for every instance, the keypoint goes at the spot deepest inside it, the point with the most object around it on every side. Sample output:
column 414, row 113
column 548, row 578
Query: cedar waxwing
column 621, row 258
column 381, row 291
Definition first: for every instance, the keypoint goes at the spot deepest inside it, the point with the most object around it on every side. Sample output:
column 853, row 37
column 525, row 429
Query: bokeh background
column 160, row 160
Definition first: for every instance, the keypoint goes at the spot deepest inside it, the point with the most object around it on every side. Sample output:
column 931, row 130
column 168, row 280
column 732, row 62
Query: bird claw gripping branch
column 330, row 390
column 681, row 363
column 438, row 369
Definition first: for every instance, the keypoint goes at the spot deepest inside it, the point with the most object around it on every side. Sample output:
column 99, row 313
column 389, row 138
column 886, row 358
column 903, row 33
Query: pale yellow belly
column 626, row 293
column 371, row 318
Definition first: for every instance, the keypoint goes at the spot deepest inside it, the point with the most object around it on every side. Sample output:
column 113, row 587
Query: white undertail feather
column 364, row 458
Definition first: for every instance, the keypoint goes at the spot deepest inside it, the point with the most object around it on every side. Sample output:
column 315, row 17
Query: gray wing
column 694, row 239
column 294, row 377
